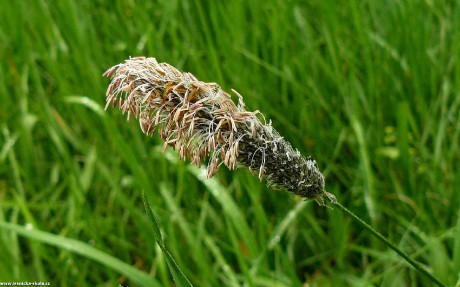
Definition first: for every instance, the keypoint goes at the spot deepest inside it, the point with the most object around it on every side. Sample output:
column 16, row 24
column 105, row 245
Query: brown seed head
column 200, row 121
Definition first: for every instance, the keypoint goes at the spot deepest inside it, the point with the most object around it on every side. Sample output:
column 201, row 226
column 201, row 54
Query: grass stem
column 401, row 253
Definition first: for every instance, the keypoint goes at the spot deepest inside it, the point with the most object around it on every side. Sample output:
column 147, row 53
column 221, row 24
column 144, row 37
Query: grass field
column 370, row 89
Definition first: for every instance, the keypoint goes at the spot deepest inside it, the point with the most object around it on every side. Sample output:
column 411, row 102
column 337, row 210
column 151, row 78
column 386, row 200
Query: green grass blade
column 153, row 221
column 87, row 102
column 78, row 247
column 456, row 256
column 179, row 277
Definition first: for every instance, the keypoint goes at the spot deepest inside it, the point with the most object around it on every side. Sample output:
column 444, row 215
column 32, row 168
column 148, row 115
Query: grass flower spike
column 201, row 121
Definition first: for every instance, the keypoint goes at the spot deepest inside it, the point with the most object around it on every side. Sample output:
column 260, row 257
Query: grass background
column 369, row 88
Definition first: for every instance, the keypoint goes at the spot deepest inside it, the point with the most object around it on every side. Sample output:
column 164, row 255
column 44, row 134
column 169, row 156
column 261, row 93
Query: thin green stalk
column 406, row 257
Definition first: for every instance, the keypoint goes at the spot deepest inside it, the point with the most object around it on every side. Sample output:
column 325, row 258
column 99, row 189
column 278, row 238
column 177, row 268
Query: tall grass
column 371, row 89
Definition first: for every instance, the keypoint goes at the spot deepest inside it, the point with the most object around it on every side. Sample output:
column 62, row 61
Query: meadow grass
column 370, row 89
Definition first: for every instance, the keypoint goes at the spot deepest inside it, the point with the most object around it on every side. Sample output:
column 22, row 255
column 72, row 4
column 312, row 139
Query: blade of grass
column 179, row 277
column 192, row 239
column 456, row 255
column 78, row 247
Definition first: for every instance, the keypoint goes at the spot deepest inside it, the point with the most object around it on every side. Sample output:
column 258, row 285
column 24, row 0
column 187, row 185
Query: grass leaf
column 139, row 277
column 179, row 277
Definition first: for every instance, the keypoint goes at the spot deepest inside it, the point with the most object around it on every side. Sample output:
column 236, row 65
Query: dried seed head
column 201, row 121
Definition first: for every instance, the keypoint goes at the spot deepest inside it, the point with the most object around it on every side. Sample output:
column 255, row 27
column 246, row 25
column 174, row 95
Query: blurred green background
column 370, row 89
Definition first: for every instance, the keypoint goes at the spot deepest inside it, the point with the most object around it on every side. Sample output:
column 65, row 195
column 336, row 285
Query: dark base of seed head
column 284, row 167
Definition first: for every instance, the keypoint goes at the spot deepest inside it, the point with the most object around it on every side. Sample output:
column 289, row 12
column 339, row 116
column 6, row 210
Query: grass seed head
column 200, row 121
